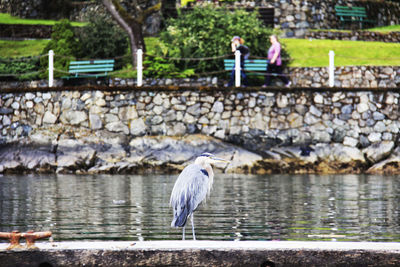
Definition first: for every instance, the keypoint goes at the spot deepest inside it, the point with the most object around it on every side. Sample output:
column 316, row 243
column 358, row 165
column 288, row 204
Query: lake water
column 241, row 207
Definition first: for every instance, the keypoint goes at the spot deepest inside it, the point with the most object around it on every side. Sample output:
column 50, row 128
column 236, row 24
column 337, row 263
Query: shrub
column 64, row 44
column 101, row 38
column 207, row 31
column 157, row 67
column 20, row 69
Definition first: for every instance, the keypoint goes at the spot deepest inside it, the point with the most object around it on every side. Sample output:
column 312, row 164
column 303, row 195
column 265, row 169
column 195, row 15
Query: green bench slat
column 90, row 68
column 352, row 14
column 100, row 61
column 249, row 65
column 76, row 67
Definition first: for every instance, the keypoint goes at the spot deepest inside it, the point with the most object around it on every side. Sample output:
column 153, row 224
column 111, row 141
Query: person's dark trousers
column 242, row 74
column 274, row 69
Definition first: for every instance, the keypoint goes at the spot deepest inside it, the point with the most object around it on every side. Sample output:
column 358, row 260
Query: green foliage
column 6, row 18
column 160, row 68
column 101, row 38
column 207, row 32
column 22, row 69
column 64, row 44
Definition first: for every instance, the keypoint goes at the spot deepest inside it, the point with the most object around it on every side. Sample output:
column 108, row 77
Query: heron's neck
column 209, row 169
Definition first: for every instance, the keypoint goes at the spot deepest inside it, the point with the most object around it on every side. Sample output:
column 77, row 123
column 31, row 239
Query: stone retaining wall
column 152, row 129
column 297, row 116
column 16, row 31
column 392, row 37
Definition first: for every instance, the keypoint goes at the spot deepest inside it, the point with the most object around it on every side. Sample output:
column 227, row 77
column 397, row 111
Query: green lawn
column 22, row 48
column 392, row 28
column 384, row 29
column 306, row 53
column 8, row 19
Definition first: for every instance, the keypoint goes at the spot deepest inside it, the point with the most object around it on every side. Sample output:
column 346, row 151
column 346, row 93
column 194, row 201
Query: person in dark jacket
column 237, row 43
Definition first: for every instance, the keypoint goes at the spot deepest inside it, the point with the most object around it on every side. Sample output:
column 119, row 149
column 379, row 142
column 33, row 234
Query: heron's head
column 209, row 158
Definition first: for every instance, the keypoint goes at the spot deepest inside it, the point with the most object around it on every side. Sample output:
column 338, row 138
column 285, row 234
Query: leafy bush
column 159, row 68
column 101, row 38
column 64, row 44
column 21, row 69
column 207, row 32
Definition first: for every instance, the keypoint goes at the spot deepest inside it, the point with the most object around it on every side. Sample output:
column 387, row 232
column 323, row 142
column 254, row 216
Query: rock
column 282, row 101
column 378, row 151
column 388, row 166
column 73, row 155
column 158, row 100
column 380, row 127
column 128, row 113
column 178, row 129
column 137, row 127
column 378, row 116
column 374, row 137
column 321, row 137
column 349, row 141
column 387, row 70
column 117, row 127
column 311, row 119
column 5, row 111
column 6, row 121
column 29, row 96
column 95, row 122
column 318, row 99
column 49, row 118
column 295, row 120
column 194, row 109
column 369, row 76
column 316, row 112
column 73, row 117
column 345, row 154
column 15, row 105
column 29, row 104
column 218, row 107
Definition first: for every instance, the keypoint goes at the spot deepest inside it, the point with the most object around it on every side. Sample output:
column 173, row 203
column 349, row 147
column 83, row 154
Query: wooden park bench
column 90, row 68
column 251, row 66
column 352, row 14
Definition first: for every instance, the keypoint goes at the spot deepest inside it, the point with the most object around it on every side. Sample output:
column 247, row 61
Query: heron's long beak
column 220, row 159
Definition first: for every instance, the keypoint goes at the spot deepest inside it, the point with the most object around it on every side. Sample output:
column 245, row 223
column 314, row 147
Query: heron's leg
column 194, row 236
column 183, row 233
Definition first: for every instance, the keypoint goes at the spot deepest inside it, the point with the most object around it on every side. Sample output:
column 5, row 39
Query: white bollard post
column 237, row 68
column 139, row 67
column 331, row 69
column 51, row 68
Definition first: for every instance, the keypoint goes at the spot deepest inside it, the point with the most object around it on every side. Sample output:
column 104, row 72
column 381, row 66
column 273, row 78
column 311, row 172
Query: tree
column 206, row 32
column 65, row 46
column 132, row 24
column 101, row 38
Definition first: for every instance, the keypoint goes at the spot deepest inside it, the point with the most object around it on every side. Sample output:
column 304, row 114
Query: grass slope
column 22, row 48
column 8, row 19
column 385, row 29
column 306, row 53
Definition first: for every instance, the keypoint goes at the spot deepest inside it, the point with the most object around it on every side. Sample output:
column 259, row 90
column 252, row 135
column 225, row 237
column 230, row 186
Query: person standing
column 275, row 63
column 237, row 43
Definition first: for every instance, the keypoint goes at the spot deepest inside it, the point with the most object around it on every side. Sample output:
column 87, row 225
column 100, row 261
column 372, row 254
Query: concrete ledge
column 204, row 253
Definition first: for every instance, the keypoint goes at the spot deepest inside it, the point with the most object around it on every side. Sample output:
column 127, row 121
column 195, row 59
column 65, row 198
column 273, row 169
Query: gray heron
column 191, row 188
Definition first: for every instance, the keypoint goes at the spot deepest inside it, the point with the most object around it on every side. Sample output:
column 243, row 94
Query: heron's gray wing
column 189, row 190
